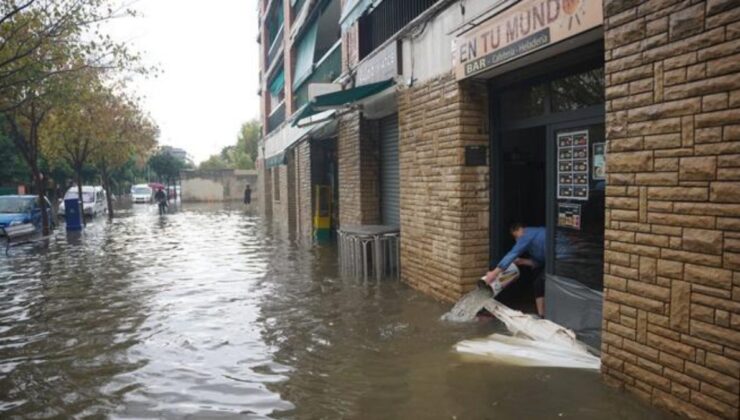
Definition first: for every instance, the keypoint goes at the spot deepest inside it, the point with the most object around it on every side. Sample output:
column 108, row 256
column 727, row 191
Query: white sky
column 207, row 52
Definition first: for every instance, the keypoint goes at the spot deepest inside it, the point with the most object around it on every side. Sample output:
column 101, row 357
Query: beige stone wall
column 283, row 205
column 218, row 185
column 304, row 194
column 671, row 330
column 264, row 182
column 444, row 204
column 357, row 154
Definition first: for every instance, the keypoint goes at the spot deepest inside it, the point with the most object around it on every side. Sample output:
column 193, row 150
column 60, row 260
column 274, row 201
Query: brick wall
column 283, row 206
column 304, row 195
column 357, row 156
column 444, row 204
column 264, row 182
column 672, row 260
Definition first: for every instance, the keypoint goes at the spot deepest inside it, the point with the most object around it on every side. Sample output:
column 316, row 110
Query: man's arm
column 519, row 247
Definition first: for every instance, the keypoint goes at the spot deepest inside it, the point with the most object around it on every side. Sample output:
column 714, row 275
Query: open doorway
column 523, row 200
column 547, row 169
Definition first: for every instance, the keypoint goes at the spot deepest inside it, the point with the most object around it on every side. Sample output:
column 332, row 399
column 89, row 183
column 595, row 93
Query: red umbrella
column 156, row 186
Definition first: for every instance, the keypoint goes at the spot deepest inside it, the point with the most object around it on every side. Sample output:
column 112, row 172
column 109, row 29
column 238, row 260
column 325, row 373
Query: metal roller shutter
column 390, row 181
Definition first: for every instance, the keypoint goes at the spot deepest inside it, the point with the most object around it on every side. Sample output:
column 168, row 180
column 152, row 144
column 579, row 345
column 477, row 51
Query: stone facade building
column 614, row 124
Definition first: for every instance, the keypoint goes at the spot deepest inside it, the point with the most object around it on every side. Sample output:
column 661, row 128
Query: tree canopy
column 242, row 155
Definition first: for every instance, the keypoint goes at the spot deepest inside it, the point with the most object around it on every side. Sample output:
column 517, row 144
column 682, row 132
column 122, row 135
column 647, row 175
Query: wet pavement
column 207, row 312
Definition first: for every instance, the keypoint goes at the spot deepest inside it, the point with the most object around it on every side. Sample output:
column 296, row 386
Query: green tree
column 214, row 163
column 242, row 155
column 248, row 140
column 44, row 44
column 166, row 166
column 125, row 131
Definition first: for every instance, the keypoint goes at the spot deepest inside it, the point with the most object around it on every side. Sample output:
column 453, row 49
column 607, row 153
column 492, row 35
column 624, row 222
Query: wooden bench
column 11, row 233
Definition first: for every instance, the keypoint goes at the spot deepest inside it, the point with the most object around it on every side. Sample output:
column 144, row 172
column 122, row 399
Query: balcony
column 325, row 71
column 275, row 48
column 276, row 117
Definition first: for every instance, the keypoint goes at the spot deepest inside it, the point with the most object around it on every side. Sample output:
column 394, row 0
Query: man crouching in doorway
column 530, row 240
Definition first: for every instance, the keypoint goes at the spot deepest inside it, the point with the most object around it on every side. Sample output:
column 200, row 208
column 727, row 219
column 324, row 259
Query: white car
column 93, row 200
column 141, row 193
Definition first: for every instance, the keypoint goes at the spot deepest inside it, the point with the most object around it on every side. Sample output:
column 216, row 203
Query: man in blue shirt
column 531, row 240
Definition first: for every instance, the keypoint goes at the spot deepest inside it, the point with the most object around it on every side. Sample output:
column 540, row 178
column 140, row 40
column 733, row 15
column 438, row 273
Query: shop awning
column 338, row 99
column 278, row 159
column 353, row 10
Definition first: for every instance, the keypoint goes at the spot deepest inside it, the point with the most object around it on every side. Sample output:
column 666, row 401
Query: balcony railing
column 272, row 53
column 326, row 71
column 276, row 117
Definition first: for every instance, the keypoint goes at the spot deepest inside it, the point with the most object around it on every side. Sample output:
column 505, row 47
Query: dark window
column 385, row 20
column 578, row 91
column 524, row 102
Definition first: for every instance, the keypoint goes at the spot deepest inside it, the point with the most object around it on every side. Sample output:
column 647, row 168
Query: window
column 274, row 22
column 385, row 20
column 276, row 183
column 578, row 91
column 317, row 40
column 561, row 94
column 277, row 90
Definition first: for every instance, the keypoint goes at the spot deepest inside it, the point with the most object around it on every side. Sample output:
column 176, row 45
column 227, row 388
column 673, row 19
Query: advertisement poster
column 599, row 161
column 573, row 165
column 569, row 215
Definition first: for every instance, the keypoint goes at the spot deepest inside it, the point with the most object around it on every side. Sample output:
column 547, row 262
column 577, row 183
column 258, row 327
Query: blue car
column 19, row 209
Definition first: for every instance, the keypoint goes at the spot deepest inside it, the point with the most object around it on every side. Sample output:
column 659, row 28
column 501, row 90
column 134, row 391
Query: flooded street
column 207, row 312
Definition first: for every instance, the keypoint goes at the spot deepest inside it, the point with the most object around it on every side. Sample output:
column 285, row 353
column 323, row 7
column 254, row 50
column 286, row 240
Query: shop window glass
column 524, row 102
column 578, row 91
column 579, row 205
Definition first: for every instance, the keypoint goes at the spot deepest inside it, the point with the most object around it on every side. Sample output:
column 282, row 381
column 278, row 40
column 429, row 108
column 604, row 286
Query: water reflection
column 207, row 312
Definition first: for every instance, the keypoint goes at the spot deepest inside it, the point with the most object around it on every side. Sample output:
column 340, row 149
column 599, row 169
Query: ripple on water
column 211, row 312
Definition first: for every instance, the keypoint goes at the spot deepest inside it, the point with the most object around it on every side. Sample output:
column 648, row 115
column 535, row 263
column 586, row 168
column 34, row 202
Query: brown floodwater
column 210, row 312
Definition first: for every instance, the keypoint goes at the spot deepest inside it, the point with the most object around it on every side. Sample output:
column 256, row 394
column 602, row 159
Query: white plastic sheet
column 535, row 341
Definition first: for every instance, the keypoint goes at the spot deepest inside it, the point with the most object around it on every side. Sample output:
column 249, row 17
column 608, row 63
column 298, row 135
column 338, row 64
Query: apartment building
column 615, row 124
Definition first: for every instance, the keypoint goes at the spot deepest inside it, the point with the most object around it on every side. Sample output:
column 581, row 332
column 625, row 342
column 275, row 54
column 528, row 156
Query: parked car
column 19, row 209
column 93, row 200
column 141, row 193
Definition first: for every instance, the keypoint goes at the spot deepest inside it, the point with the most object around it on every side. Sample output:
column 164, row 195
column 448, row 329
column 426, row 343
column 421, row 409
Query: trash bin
column 72, row 214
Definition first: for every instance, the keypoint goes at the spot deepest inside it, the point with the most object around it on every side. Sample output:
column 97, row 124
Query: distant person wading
column 248, row 195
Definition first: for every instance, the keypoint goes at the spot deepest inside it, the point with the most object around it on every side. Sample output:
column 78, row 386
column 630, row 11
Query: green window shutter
column 305, row 55
column 277, row 84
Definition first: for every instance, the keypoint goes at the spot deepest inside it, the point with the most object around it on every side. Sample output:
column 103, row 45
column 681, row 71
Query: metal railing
column 276, row 117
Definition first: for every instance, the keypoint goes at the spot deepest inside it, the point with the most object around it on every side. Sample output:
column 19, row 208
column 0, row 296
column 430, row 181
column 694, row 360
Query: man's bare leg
column 540, row 301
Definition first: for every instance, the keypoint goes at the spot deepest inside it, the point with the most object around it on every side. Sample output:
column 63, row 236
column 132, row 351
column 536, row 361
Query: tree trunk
column 79, row 194
column 40, row 186
column 108, row 199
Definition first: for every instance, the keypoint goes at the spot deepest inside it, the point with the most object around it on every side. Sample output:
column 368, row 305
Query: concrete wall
column 444, row 204
column 672, row 260
column 222, row 185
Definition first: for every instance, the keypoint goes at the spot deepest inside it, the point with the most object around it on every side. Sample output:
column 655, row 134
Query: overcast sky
column 207, row 51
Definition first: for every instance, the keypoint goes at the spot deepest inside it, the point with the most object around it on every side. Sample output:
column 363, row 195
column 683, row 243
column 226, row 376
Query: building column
column 357, row 156
column 444, row 204
column 671, row 328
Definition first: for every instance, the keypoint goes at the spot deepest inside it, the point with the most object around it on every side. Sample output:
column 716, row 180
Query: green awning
column 277, row 84
column 337, row 99
column 276, row 160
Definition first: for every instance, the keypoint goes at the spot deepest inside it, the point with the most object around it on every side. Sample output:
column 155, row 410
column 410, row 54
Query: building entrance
column 547, row 169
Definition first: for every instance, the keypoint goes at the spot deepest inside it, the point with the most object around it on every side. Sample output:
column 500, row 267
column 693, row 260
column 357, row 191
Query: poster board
column 573, row 165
